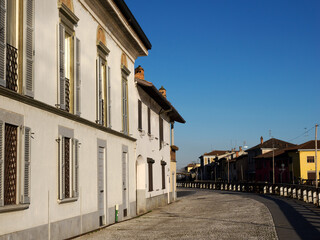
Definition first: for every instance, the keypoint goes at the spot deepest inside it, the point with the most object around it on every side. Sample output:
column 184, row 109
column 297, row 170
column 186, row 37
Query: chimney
column 139, row 72
column 240, row 149
column 163, row 91
column 261, row 140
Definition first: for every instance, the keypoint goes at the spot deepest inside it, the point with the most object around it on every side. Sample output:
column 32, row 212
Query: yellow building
column 303, row 160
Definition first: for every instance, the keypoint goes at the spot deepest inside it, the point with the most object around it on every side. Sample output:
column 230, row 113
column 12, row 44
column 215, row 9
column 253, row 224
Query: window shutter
column 1, row 162
column 62, row 80
column 139, row 114
column 149, row 121
column 27, row 167
column 109, row 96
column 160, row 131
column 3, row 40
column 76, row 168
column 61, row 168
column 100, row 94
column 29, row 44
column 78, row 76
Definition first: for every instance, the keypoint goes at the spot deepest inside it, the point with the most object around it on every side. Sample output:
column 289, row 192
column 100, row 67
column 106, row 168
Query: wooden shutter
column 150, row 161
column 27, row 167
column 76, row 168
column 149, row 121
column 139, row 114
column 109, row 96
column 99, row 86
column 1, row 162
column 160, row 131
column 62, row 80
column 78, row 77
column 29, row 45
column 3, row 41
column 62, row 168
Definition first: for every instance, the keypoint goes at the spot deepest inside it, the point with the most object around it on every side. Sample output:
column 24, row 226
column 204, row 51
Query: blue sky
column 234, row 69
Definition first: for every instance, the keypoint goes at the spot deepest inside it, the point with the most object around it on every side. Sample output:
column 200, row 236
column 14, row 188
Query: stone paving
column 197, row 215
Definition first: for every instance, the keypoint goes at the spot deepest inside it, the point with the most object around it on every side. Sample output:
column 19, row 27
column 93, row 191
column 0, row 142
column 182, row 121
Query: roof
column 154, row 93
column 133, row 22
column 216, row 153
column 273, row 143
column 309, row 145
column 306, row 145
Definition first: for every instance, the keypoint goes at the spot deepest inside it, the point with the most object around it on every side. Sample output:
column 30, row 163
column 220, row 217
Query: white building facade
column 156, row 177
column 68, row 110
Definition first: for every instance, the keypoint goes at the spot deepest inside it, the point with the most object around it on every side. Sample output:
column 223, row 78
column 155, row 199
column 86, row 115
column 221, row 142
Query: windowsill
column 11, row 208
column 67, row 200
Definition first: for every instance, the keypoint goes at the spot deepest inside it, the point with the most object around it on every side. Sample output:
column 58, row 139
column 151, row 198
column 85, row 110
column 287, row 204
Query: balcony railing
column 12, row 68
column 67, row 94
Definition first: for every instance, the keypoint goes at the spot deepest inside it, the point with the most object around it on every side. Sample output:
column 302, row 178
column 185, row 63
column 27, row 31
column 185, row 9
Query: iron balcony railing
column 12, row 68
column 67, row 94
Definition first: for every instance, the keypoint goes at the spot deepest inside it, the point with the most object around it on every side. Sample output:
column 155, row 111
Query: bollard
column 315, row 201
column 117, row 213
column 305, row 196
column 285, row 192
column 294, row 193
column 310, row 196
column 270, row 189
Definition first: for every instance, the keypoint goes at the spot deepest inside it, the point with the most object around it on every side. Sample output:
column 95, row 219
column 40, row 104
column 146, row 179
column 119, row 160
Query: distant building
column 262, row 148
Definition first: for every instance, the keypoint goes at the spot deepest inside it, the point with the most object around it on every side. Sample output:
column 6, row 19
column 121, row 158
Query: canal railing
column 309, row 194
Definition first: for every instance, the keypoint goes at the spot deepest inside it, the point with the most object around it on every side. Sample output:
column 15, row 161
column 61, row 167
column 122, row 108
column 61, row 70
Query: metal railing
column 305, row 193
column 12, row 68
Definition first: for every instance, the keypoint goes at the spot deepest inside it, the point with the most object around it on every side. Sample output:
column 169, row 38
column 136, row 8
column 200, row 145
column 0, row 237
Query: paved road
column 198, row 214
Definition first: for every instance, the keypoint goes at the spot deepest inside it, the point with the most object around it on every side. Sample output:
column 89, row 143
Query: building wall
column 45, row 216
column 148, row 147
column 305, row 166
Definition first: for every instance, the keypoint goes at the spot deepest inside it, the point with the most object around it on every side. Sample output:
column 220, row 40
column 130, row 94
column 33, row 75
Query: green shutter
column 27, row 167
column 1, row 162
column 29, row 45
column 3, row 40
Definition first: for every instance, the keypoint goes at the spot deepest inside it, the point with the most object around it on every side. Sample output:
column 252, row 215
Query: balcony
column 12, row 68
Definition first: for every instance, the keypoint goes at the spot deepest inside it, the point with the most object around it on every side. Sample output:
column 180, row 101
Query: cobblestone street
column 197, row 215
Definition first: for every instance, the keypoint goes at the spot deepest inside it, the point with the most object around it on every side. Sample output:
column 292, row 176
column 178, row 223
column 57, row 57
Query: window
column 124, row 94
column 68, row 165
column 163, row 174
column 149, row 121
column 150, row 162
column 310, row 159
column 125, row 105
column 69, row 90
column 139, row 115
column 102, row 91
column 160, row 132
column 17, row 45
column 14, row 160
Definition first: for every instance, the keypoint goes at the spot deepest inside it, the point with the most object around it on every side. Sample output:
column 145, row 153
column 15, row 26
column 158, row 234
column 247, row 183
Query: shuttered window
column 150, row 162
column 160, row 132
column 29, row 45
column 149, row 121
column 69, row 69
column 139, row 115
column 125, row 105
column 13, row 51
column 68, row 168
column 109, row 97
column 163, row 174
column 102, row 80
column 10, row 158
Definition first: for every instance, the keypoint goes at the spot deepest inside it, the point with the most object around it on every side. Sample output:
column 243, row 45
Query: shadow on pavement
column 303, row 217
column 185, row 193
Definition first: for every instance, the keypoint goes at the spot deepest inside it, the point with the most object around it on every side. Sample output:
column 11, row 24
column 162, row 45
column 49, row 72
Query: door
column 101, row 154
column 124, row 184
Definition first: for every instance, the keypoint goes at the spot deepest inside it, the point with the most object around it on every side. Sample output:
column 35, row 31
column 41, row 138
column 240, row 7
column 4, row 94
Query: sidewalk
column 197, row 215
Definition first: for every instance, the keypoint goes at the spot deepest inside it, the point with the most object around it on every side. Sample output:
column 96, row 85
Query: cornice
column 68, row 13
column 48, row 108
